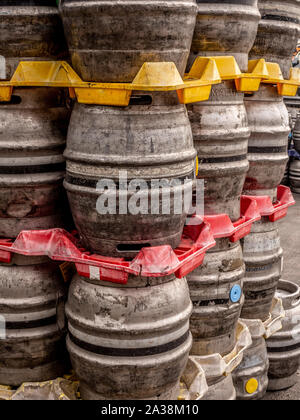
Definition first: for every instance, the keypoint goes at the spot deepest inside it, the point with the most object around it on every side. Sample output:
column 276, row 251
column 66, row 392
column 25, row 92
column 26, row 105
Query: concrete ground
column 290, row 241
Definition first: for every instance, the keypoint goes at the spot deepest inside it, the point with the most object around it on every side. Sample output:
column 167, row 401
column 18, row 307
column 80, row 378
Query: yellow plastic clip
column 151, row 77
column 284, row 87
column 205, row 71
column 227, row 67
column 250, row 82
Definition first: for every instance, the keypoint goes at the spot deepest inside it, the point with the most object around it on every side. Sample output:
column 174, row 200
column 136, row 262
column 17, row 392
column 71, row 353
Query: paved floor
column 290, row 241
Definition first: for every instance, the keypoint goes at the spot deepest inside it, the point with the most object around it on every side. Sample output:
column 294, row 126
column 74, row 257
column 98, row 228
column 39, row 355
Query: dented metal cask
column 220, row 130
column 32, row 297
column 32, row 167
column 267, row 153
column 225, row 28
column 251, row 376
column 263, row 259
column 294, row 175
column 129, row 342
column 110, row 40
column 284, row 346
column 140, row 142
column 278, row 32
column 216, row 293
column 30, row 29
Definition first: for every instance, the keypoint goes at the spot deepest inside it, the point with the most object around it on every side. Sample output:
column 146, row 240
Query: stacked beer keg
column 221, row 132
column 268, row 118
column 128, row 341
column 32, row 140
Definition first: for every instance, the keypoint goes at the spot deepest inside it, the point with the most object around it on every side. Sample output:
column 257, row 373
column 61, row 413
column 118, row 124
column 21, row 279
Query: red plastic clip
column 159, row 261
column 222, row 227
column 278, row 210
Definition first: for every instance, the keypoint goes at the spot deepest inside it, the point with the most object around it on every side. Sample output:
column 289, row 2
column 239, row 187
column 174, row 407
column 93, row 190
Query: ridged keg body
column 225, row 28
column 30, row 30
column 294, row 175
column 216, row 293
column 263, row 259
column 150, row 144
column 284, row 346
column 129, row 342
column 278, row 32
column 267, row 153
column 110, row 40
column 32, row 294
column 296, row 133
column 32, row 167
column 220, row 130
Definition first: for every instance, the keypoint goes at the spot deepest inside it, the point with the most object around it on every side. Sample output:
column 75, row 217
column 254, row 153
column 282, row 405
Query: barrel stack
column 268, row 118
column 221, row 132
column 131, row 175
column 32, row 139
column 128, row 341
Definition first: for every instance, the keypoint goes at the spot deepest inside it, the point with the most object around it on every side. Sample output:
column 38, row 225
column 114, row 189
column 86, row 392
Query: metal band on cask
column 129, row 342
column 32, row 167
column 32, row 307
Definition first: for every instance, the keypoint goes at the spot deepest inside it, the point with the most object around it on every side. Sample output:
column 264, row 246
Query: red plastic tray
column 197, row 239
column 278, row 210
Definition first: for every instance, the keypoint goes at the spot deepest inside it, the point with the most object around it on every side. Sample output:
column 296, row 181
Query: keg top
column 289, row 292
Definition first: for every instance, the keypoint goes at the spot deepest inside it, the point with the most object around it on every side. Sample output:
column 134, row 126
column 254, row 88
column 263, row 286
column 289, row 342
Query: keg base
column 88, row 394
column 280, row 384
column 130, row 249
column 223, row 390
column 16, row 377
column 10, row 227
column 241, row 58
column 122, row 67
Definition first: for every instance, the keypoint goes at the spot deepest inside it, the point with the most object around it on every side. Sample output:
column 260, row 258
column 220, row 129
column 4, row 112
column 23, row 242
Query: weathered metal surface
column 32, row 344
column 225, row 28
column 32, row 167
column 267, row 153
column 278, row 32
column 30, row 29
column 149, row 142
column 110, row 40
column 284, row 346
column 293, row 106
column 263, row 259
column 294, row 175
column 285, row 180
column 254, row 367
column 130, row 342
column 220, row 389
column 296, row 133
column 220, row 130
column 215, row 315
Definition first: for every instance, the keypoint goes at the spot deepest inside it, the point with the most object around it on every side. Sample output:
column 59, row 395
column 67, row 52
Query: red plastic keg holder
column 278, row 210
column 198, row 237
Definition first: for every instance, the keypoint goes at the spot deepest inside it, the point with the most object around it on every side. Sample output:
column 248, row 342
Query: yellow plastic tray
column 244, row 82
column 284, row 87
column 154, row 77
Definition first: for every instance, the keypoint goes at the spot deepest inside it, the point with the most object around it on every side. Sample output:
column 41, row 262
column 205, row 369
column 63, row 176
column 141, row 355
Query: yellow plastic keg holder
column 284, row 87
column 152, row 77
column 244, row 82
